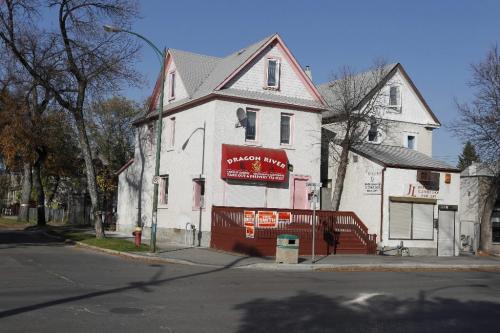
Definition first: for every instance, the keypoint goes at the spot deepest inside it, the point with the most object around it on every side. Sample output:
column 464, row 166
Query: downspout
column 382, row 204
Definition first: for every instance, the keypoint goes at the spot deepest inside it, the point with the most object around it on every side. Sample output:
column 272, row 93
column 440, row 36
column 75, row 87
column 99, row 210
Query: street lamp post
column 159, row 126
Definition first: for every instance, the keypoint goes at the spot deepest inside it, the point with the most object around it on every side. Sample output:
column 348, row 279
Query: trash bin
column 287, row 249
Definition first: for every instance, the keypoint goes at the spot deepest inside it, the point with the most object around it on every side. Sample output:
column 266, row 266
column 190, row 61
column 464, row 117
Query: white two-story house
column 392, row 183
column 239, row 131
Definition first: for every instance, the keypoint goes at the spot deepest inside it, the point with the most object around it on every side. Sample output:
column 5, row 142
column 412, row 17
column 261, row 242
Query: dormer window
column 394, row 97
column 273, row 73
column 171, row 85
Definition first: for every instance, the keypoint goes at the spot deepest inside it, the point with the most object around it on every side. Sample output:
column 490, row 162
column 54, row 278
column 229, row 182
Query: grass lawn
column 9, row 223
column 116, row 244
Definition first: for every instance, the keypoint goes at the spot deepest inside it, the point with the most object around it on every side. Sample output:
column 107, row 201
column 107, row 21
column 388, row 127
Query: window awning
column 253, row 163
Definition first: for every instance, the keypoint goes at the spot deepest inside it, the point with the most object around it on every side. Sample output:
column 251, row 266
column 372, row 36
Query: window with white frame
column 394, row 96
column 373, row 131
column 411, row 220
column 171, row 85
column 286, row 129
column 171, row 133
column 273, row 73
column 198, row 193
column 163, row 190
column 251, row 126
column 411, row 141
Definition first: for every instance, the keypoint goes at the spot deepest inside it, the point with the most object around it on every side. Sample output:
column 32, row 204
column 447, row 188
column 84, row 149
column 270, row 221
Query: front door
column 446, row 230
column 299, row 196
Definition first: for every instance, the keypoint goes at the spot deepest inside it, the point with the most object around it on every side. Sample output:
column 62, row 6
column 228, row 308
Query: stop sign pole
column 314, row 190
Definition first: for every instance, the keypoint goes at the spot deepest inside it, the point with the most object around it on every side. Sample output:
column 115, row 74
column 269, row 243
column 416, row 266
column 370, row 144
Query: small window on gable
column 163, row 190
column 373, row 131
column 411, row 141
column 273, row 73
column 394, row 96
column 171, row 85
column 251, row 126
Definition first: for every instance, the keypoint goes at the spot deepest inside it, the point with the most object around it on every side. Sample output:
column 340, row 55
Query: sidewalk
column 177, row 253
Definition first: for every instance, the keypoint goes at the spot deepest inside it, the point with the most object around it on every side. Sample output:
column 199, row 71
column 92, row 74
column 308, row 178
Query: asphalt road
column 50, row 287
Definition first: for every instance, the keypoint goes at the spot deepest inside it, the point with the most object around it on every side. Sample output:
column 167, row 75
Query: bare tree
column 355, row 102
column 479, row 123
column 76, row 61
column 479, row 120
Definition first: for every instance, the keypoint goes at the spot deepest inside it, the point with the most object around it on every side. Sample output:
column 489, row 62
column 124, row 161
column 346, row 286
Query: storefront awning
column 253, row 163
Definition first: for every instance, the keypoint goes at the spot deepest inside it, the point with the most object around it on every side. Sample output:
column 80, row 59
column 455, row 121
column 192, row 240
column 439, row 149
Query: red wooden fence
column 336, row 232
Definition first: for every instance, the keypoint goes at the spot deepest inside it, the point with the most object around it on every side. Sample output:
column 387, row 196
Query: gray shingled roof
column 269, row 97
column 365, row 80
column 481, row 170
column 202, row 74
column 193, row 68
column 393, row 156
column 226, row 66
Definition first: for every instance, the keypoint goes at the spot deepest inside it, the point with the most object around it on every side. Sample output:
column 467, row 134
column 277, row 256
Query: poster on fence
column 284, row 217
column 250, row 232
column 249, row 218
column 267, row 219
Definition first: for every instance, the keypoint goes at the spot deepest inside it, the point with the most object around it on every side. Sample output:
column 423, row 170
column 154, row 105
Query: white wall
column 303, row 153
column 182, row 165
column 254, row 78
column 396, row 183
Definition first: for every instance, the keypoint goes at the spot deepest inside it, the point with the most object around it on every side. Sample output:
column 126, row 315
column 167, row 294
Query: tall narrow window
column 394, row 96
column 163, row 190
column 373, row 131
column 171, row 139
column 251, row 126
column 198, row 193
column 286, row 129
column 411, row 141
column 171, row 85
column 273, row 73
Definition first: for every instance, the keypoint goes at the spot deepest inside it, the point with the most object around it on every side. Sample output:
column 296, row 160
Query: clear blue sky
column 436, row 41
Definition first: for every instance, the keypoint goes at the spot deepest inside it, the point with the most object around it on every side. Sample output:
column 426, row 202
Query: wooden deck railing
column 228, row 231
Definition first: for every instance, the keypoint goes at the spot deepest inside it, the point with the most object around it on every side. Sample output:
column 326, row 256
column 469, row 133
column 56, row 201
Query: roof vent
column 241, row 51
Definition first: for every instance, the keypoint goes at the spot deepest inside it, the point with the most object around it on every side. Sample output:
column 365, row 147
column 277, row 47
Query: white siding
column 254, row 77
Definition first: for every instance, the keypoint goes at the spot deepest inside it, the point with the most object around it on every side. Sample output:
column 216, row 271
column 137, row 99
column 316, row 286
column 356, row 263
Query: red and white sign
column 267, row 219
column 249, row 222
column 250, row 232
column 284, row 217
column 249, row 218
column 253, row 163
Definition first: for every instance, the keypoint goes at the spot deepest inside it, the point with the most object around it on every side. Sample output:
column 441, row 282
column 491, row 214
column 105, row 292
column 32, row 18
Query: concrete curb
column 146, row 256
column 369, row 267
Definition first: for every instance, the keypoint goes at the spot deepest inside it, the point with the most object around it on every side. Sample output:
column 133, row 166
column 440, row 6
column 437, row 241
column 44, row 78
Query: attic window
column 394, row 97
column 171, row 85
column 273, row 73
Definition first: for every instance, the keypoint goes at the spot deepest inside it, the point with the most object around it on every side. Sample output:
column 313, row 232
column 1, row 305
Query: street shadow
column 310, row 312
column 143, row 286
column 24, row 238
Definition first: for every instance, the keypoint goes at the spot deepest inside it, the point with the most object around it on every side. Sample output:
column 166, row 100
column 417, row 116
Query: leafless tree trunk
column 25, row 193
column 40, row 193
column 75, row 61
column 355, row 101
column 339, row 181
